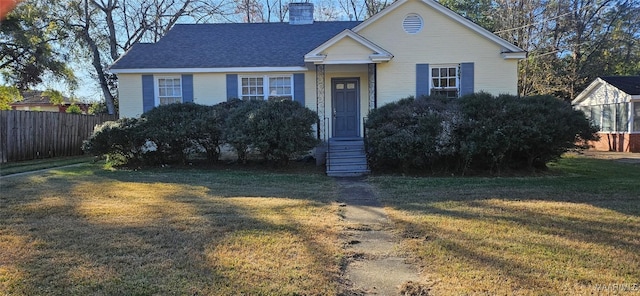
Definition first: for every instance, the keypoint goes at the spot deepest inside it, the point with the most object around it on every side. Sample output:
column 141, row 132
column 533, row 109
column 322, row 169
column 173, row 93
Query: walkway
column 376, row 266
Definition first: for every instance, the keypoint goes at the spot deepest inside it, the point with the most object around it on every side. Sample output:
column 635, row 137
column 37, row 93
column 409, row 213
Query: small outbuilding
column 613, row 104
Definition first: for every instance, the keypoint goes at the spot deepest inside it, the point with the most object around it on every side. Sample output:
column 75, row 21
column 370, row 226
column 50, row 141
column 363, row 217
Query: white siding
column 130, row 95
column 605, row 94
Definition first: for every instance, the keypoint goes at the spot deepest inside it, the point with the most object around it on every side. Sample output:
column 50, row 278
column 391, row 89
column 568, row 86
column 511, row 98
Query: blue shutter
column 232, row 86
column 466, row 79
column 187, row 88
column 148, row 93
column 422, row 80
column 298, row 88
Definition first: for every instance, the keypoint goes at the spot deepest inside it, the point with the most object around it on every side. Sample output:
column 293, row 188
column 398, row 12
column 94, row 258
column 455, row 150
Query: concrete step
column 348, row 166
column 348, row 159
column 353, row 154
column 347, row 173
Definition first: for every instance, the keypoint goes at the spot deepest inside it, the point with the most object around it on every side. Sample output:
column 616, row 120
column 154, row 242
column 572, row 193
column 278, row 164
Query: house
column 340, row 69
column 34, row 100
column 613, row 104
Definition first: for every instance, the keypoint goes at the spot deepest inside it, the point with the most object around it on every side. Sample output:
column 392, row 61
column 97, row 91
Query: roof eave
column 448, row 12
column 379, row 55
column 587, row 91
column 514, row 55
column 208, row 70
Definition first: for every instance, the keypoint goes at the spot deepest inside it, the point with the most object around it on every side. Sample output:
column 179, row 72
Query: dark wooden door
column 345, row 100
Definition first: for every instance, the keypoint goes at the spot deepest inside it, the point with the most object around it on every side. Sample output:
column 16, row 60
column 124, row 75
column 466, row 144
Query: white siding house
column 613, row 104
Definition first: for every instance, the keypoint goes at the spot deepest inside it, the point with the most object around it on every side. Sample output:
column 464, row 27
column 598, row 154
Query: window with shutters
column 445, row 81
column 169, row 90
column 266, row 87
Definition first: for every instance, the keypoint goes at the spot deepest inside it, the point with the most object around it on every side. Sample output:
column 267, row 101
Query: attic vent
column 412, row 23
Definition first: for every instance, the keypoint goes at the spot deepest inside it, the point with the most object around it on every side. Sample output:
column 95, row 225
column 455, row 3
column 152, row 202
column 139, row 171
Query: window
column 636, row 116
column 169, row 90
column 445, row 81
column 266, row 87
column 622, row 117
column 609, row 117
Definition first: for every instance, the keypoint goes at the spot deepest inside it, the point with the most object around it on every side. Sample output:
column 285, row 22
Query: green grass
column 567, row 233
column 41, row 164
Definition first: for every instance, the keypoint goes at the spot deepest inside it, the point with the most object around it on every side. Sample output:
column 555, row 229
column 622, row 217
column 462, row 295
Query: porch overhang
column 518, row 55
column 348, row 48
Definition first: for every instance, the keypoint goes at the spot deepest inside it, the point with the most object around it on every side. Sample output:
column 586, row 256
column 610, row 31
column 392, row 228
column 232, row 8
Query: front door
column 345, row 99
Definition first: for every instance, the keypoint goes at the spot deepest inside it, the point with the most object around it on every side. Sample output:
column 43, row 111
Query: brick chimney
column 301, row 13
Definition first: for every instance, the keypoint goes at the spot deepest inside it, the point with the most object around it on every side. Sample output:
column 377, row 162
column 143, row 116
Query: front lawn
column 576, row 232
column 87, row 231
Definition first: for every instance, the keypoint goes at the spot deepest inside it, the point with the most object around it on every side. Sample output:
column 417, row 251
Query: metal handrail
column 364, row 128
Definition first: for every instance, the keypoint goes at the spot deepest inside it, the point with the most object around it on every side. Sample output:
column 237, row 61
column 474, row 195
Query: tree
column 8, row 96
column 108, row 28
column 74, row 109
column 55, row 97
column 29, row 49
column 569, row 42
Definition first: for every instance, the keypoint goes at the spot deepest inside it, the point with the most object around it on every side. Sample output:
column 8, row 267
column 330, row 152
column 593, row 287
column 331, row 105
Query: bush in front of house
column 478, row 132
column 239, row 126
column 279, row 130
column 409, row 134
column 179, row 130
column 121, row 141
column 282, row 130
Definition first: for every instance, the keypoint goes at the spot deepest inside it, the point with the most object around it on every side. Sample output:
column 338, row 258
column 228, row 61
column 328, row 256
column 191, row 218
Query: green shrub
column 478, row 132
column 121, row 141
column 408, row 134
column 278, row 129
column 239, row 130
column 74, row 109
column 179, row 130
column 282, row 130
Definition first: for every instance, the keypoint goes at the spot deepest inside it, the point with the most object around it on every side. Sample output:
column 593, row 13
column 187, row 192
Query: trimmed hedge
column 476, row 132
column 278, row 130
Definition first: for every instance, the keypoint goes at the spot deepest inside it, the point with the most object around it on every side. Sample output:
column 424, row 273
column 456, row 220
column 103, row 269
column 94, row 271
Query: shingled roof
column 231, row 45
column 627, row 84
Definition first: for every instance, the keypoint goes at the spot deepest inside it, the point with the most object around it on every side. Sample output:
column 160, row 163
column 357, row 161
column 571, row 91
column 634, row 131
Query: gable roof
column 627, row 84
column 510, row 50
column 36, row 97
column 379, row 54
column 230, row 46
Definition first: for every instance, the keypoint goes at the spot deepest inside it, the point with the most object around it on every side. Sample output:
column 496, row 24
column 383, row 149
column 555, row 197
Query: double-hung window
column 445, row 81
column 266, row 87
column 169, row 90
column 636, row 116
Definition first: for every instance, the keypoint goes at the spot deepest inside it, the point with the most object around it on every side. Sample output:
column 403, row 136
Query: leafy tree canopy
column 28, row 46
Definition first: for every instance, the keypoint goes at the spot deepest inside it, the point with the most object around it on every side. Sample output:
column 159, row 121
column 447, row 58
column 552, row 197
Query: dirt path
column 376, row 266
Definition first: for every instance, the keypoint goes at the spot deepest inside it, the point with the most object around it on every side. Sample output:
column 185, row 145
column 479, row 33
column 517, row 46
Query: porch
column 344, row 96
column 346, row 81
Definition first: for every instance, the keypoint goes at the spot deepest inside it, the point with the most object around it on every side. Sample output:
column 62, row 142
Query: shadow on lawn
column 569, row 231
column 74, row 243
column 506, row 250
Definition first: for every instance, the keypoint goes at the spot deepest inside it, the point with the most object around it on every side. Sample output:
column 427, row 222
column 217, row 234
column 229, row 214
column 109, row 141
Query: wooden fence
column 26, row 135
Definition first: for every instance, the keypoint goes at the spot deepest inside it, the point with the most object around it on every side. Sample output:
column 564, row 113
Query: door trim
column 333, row 121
